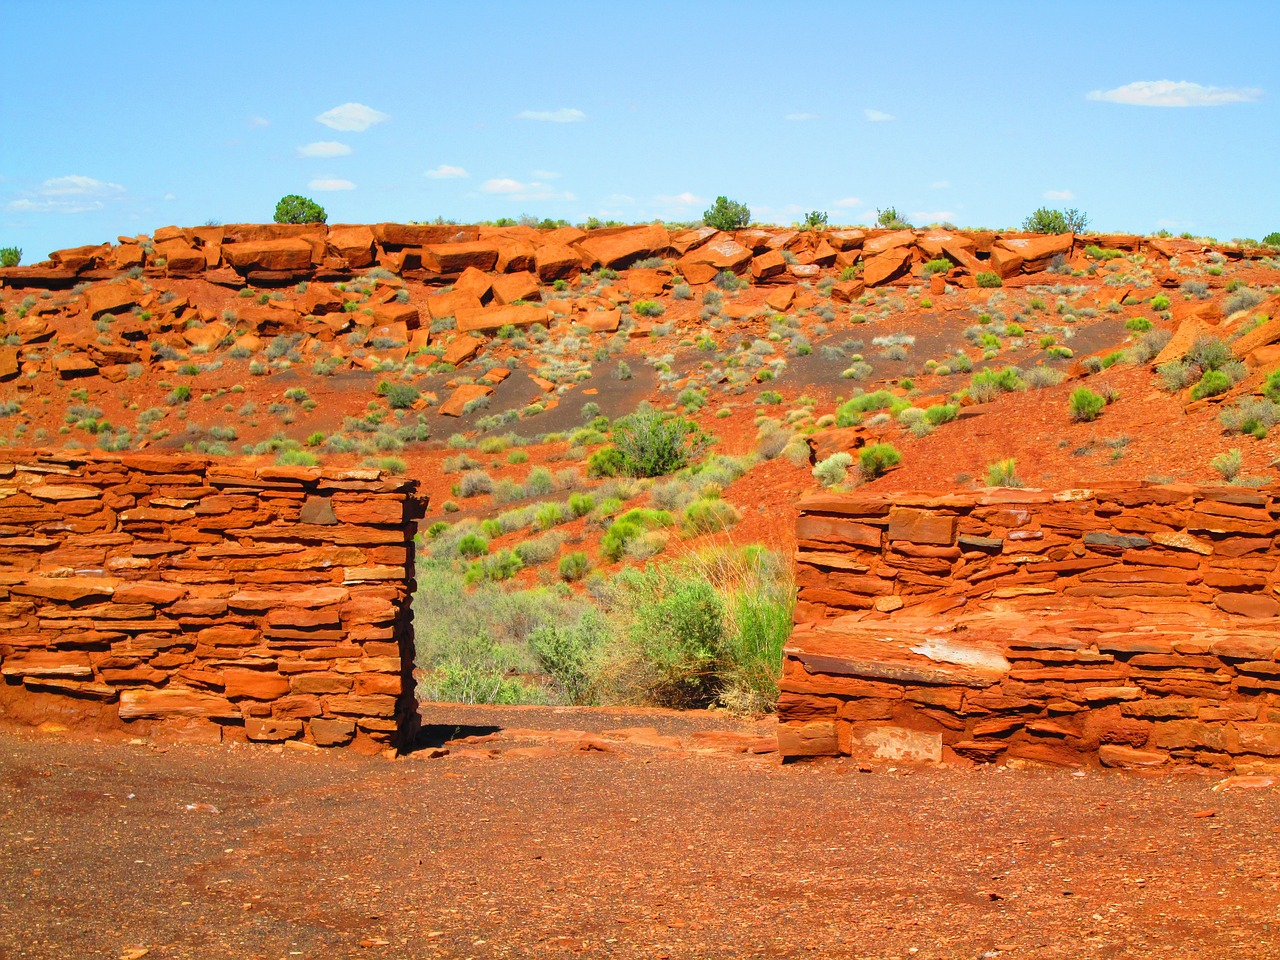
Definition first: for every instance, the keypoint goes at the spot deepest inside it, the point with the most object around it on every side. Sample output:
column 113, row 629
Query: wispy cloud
column 354, row 117
column 1059, row 195
column 800, row 117
column 940, row 185
column 518, row 190
column 70, row 194
column 446, row 172
column 324, row 148
column 259, row 122
column 1175, row 93
column 331, row 183
column 877, row 116
column 847, row 202
column 545, row 175
column 563, row 115
column 933, row 216
column 685, row 199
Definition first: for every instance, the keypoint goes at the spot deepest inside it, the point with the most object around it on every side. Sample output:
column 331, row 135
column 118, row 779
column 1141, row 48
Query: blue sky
column 118, row 118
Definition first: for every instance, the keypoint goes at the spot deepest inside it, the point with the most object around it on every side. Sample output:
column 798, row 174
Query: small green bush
column 574, row 566
column 10, row 256
column 1003, row 473
column 647, row 308
column 606, row 462
column 1159, row 302
column 1212, row 383
column 1045, row 220
column 833, row 470
column 628, row 527
column 726, row 214
column 875, row 459
column 1086, row 405
column 1228, row 464
column 400, row 396
column 295, row 209
column 473, row 545
column 938, row 265
column 1138, row 324
column 709, row 516
column 986, row 278
column 941, row 413
column 654, row 445
column 988, row 384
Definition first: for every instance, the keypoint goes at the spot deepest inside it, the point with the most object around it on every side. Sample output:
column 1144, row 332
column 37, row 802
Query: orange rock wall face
column 206, row 601
column 1132, row 625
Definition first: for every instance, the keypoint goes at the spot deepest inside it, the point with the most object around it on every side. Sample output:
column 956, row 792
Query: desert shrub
column 539, row 482
column 1228, row 464
column 473, row 545
column 1149, row 345
column 474, row 483
column 1209, row 353
column 1177, row 375
column 709, row 515
column 400, row 396
column 1271, row 388
column 988, row 384
column 653, row 445
column 566, row 652
column 548, row 515
column 987, row 278
column 1003, row 473
column 574, row 566
column 1086, row 405
column 941, row 413
column 1211, row 383
column 630, row 525
column 606, row 462
column 850, row 412
column 1245, row 298
column 10, row 256
column 295, row 209
column 646, row 308
column 1045, row 220
column 495, row 568
column 1251, row 415
column 875, row 459
column 891, row 219
column 580, row 504
column 832, row 471
column 296, row 458
column 1138, row 324
column 1039, row 377
column 539, row 550
column 1159, row 302
column 726, row 214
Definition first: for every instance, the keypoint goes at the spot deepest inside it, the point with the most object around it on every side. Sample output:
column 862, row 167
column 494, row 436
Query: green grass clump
column 628, row 527
column 988, row 279
column 1086, row 405
column 1003, row 473
column 875, row 459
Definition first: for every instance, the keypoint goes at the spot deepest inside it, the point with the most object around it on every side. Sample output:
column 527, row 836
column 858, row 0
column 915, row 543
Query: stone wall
column 203, row 600
column 1135, row 625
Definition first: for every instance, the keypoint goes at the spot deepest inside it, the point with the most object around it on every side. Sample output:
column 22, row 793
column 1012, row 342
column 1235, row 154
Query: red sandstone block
column 814, row 739
column 254, row 684
column 361, row 706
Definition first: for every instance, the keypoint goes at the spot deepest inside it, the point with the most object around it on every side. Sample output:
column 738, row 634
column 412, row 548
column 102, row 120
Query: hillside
column 493, row 364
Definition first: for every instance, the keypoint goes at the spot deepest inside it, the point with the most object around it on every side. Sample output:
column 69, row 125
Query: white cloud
column 324, row 148
column 516, row 190
column 877, row 116
column 545, row 175
column 1059, row 195
column 446, row 172
column 940, row 185
column 1175, row 93
column 259, row 122
column 170, row 197
column 933, row 216
column 563, row 115
column 849, row 202
column 78, row 186
column 502, row 185
column 331, row 183
column 352, row 116
column 800, row 117
column 685, row 199
column 69, row 194
column 620, row 199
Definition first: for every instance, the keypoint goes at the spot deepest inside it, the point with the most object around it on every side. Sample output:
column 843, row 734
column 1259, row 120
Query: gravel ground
column 124, row 850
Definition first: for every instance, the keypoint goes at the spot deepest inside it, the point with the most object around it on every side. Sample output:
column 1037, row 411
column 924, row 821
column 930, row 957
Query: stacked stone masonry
column 205, row 601
column 1131, row 624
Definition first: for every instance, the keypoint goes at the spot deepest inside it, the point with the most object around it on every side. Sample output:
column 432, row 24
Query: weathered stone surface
column 172, row 702
column 813, row 739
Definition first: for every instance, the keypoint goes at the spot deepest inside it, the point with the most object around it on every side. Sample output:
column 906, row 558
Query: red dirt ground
column 112, row 849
